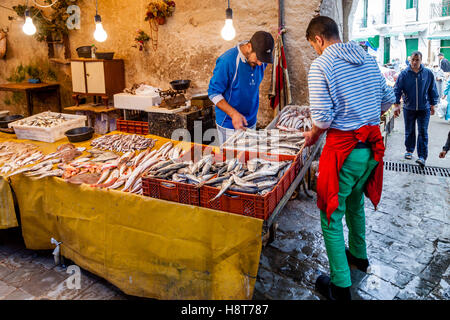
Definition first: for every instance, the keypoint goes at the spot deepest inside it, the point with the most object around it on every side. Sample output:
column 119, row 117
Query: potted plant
column 141, row 39
column 159, row 10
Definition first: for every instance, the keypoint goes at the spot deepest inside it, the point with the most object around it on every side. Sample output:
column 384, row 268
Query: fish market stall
column 306, row 157
column 158, row 218
column 147, row 247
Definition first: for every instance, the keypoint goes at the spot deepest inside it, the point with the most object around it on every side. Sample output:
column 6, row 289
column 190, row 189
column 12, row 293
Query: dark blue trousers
column 422, row 117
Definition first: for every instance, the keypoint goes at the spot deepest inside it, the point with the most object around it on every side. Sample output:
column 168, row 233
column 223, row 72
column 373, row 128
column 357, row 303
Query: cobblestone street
column 408, row 241
column 408, row 237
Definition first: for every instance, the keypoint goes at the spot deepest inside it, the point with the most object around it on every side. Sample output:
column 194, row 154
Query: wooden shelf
column 89, row 107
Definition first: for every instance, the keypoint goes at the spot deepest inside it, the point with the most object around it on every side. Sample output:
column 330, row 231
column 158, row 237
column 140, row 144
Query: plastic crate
column 50, row 134
column 171, row 191
column 138, row 127
column 252, row 205
column 176, row 191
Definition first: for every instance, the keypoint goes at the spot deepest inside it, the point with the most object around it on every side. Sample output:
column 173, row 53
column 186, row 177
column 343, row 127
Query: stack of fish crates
column 178, row 191
column 129, row 126
column 252, row 205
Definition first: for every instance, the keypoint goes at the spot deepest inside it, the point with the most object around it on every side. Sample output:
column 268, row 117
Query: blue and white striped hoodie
column 346, row 88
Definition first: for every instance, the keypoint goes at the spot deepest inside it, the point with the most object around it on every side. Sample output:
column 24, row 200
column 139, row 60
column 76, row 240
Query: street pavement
column 408, row 237
column 408, row 243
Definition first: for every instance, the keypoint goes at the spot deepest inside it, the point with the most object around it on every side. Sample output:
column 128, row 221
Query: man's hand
column 397, row 110
column 312, row 136
column 442, row 154
column 431, row 110
column 239, row 121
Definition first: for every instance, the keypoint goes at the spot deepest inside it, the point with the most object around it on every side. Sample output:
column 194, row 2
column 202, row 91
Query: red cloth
column 339, row 145
column 280, row 90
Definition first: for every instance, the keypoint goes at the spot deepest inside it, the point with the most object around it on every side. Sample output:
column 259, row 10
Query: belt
column 362, row 145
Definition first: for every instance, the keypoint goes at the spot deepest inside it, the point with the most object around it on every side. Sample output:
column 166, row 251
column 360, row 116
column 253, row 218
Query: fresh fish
column 266, row 184
column 243, row 183
column 40, row 171
column 225, row 185
column 104, row 176
column 206, row 167
column 214, row 181
column 174, row 166
column 232, row 164
column 242, row 189
column 193, row 178
column 51, row 173
column 111, row 179
column 260, row 174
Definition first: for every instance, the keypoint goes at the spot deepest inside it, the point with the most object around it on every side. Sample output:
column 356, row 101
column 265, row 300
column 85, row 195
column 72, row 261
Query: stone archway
column 341, row 11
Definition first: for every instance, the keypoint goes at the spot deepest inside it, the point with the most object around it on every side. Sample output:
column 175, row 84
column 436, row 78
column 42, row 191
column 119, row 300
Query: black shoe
column 421, row 162
column 360, row 264
column 331, row 291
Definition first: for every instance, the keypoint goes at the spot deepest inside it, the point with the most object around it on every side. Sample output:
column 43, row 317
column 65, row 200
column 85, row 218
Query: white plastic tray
column 51, row 134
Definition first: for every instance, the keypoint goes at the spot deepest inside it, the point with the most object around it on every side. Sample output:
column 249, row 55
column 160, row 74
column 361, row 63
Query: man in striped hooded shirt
column 347, row 91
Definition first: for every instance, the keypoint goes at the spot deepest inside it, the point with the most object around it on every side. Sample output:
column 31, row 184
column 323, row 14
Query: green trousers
column 352, row 178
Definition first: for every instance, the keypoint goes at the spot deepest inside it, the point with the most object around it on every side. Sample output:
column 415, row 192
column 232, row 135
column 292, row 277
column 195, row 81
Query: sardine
column 51, row 173
column 242, row 189
column 225, row 185
column 243, row 183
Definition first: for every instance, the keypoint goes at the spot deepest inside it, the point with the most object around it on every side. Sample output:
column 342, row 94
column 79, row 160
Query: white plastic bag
column 441, row 109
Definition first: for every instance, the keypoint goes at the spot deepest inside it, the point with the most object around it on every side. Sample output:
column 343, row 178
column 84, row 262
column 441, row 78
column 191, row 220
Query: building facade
column 393, row 29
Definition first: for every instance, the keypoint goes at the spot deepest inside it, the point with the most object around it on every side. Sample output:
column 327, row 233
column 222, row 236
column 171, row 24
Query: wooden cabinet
column 97, row 77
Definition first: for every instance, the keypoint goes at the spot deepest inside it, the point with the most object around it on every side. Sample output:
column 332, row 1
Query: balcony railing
column 439, row 10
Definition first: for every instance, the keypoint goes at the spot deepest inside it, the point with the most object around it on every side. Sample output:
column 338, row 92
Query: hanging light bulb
column 228, row 33
column 100, row 33
column 28, row 27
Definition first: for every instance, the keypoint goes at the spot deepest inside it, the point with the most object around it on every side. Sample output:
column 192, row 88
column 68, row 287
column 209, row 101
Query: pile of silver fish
column 266, row 141
column 43, row 120
column 63, row 154
column 122, row 171
column 14, row 155
column 257, row 176
column 123, row 142
column 295, row 118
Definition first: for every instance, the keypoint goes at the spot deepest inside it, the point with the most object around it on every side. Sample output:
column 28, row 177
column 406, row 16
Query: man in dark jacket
column 445, row 148
column 418, row 87
column 443, row 63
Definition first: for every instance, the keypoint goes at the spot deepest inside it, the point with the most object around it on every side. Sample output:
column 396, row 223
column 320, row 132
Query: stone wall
column 189, row 44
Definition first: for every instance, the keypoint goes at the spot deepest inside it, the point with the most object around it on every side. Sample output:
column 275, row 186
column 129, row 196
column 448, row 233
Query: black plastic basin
column 79, row 134
column 4, row 121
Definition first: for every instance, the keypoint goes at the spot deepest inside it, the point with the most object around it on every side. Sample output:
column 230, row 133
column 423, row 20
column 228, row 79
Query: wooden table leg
column 58, row 96
column 29, row 103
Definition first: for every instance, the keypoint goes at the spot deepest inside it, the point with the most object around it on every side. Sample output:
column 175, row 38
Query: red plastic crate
column 252, row 205
column 177, row 191
column 171, row 191
column 138, row 127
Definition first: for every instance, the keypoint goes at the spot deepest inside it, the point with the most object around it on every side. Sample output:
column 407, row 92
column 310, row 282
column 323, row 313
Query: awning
column 440, row 35
column 373, row 41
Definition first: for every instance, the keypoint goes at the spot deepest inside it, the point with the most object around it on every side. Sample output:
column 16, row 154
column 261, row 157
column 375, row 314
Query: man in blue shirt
column 234, row 86
column 418, row 87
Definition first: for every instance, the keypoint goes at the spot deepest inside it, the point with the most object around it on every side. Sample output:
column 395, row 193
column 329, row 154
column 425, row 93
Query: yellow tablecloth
column 146, row 247
column 7, row 212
